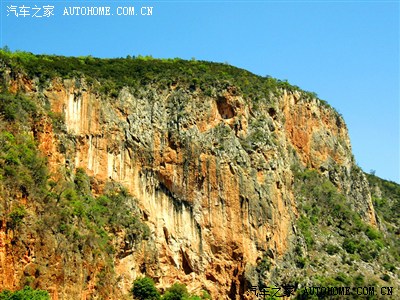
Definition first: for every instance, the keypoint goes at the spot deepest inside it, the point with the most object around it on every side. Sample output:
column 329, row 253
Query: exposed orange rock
column 210, row 217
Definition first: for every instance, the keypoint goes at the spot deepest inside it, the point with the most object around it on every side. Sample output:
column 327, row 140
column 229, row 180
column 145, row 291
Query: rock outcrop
column 213, row 174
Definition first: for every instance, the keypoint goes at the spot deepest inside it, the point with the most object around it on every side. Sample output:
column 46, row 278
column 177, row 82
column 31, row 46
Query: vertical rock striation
column 213, row 174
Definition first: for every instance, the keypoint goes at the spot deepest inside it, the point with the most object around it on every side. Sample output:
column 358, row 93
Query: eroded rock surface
column 213, row 175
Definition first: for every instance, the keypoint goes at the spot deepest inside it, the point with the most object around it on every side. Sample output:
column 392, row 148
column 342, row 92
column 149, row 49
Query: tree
column 144, row 289
column 176, row 292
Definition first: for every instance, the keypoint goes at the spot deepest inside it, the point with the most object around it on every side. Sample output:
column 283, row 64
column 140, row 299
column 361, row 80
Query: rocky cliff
column 216, row 172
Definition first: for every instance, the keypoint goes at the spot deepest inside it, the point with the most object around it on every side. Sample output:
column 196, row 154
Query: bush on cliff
column 26, row 294
column 144, row 289
column 176, row 292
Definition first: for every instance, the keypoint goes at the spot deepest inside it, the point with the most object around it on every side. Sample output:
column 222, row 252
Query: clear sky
column 345, row 51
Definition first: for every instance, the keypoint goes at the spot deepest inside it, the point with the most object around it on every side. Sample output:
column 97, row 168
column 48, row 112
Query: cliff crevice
column 213, row 173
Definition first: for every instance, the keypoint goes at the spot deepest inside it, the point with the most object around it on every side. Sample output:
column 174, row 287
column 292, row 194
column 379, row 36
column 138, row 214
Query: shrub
column 359, row 280
column 205, row 295
column 305, row 225
column 332, row 249
column 26, row 294
column 82, row 182
column 15, row 107
column 372, row 233
column 21, row 165
column 349, row 245
column 144, row 289
column 385, row 277
column 16, row 216
column 341, row 277
column 176, row 292
column 301, row 262
column 389, row 266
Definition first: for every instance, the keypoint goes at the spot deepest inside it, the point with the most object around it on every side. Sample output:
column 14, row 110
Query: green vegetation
column 305, row 227
column 144, row 289
column 83, row 217
column 16, row 216
column 16, row 107
column 110, row 75
column 176, row 292
column 331, row 233
column 262, row 268
column 322, row 205
column 386, row 200
column 26, row 294
column 65, row 212
column 21, row 166
column 337, row 280
column 83, row 221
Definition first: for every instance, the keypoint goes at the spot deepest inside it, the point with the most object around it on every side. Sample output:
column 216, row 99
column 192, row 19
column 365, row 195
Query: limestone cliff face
column 213, row 174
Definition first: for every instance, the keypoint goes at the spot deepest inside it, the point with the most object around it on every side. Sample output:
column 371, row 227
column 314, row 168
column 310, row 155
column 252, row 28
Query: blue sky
column 345, row 51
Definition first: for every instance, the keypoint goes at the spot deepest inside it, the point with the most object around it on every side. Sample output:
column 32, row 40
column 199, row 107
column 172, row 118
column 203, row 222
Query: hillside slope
column 186, row 171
